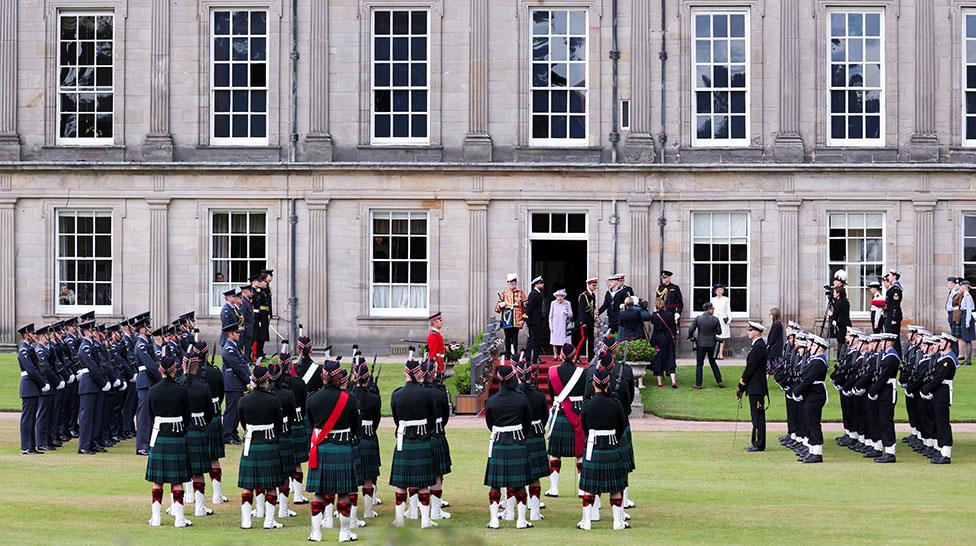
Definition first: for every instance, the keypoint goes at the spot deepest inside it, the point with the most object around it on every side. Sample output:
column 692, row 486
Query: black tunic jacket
column 603, row 412
column 507, row 408
column 413, row 402
column 170, row 399
column 261, row 407
column 320, row 405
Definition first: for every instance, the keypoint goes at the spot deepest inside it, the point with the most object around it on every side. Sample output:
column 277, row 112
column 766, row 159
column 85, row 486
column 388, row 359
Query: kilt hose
column 442, row 454
column 301, row 441
column 335, row 474
column 562, row 440
column 198, row 449
column 626, row 448
column 369, row 456
column 168, row 461
column 535, row 446
column 261, row 467
column 508, row 466
column 413, row 466
column 604, row 472
column 215, row 436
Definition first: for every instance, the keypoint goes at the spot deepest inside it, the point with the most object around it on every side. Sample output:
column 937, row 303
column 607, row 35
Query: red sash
column 313, row 454
column 567, row 409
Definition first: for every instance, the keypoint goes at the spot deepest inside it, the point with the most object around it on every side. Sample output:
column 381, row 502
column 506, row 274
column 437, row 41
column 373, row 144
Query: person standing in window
column 560, row 316
column 534, row 318
column 664, row 339
column 840, row 317
column 723, row 312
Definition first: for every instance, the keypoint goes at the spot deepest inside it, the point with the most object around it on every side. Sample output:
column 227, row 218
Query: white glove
column 45, row 388
column 61, row 385
column 124, row 386
column 134, row 377
column 71, row 379
column 107, row 387
column 116, row 383
column 676, row 315
column 502, row 305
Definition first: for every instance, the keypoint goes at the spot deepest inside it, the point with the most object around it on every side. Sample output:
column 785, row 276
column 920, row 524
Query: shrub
column 454, row 351
column 637, row 350
column 462, row 379
column 479, row 338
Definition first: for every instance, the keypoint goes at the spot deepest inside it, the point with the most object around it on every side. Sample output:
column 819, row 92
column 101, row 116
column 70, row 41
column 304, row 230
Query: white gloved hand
column 71, row 379
column 45, row 388
column 124, row 386
column 676, row 315
column 134, row 377
column 107, row 387
column 502, row 305
column 116, row 383
column 61, row 385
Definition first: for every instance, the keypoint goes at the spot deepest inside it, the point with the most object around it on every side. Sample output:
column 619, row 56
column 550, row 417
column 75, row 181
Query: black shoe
column 74, row 434
column 99, row 449
column 142, row 452
column 721, row 384
column 939, row 459
column 873, row 454
column 753, row 449
column 907, row 439
column 85, row 452
column 27, row 452
column 233, row 442
column 886, row 458
column 813, row 459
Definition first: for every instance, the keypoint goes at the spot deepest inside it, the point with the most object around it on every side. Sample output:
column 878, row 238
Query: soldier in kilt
column 201, row 416
column 215, row 430
column 286, row 447
column 535, row 438
column 508, row 416
column 169, row 409
column 604, row 469
column 622, row 388
column 438, row 440
column 414, row 414
column 334, row 416
column 565, row 435
column 368, row 399
column 260, row 471
column 301, row 433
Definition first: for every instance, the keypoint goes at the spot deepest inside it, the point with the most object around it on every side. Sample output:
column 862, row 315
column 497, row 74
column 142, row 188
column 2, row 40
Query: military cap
column 757, row 327
column 601, row 376
column 26, row 329
column 874, row 284
column 435, row 316
column 511, row 277
column 231, row 292
column 949, row 337
column 43, row 330
column 255, row 277
column 267, row 271
column 259, row 373
column 86, row 325
column 592, row 280
column 87, row 316
column 230, row 328
column 505, row 372
column 536, row 280
column 666, row 273
column 246, row 287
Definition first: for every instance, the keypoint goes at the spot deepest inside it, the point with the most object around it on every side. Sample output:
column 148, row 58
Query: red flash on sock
column 520, row 495
column 297, row 476
column 579, row 467
column 198, row 486
column 216, row 473
column 157, row 494
column 413, row 491
column 424, row 498
column 178, row 496
column 555, row 465
column 619, row 501
column 437, row 493
column 344, row 508
column 330, row 499
column 272, row 498
column 588, row 500
column 368, row 490
column 401, row 497
column 354, row 499
column 247, row 498
column 317, row 507
column 494, row 497
column 535, row 490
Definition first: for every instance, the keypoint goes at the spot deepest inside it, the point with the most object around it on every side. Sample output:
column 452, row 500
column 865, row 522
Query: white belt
column 594, row 434
column 298, row 413
column 216, row 403
column 949, row 382
column 250, row 430
column 439, row 425
column 198, row 419
column 142, row 368
column 575, row 398
column 23, row 373
column 81, row 372
column 537, row 426
column 515, row 430
column 402, row 427
column 177, row 423
column 826, row 396
column 894, row 389
column 342, row 434
column 284, row 425
column 367, row 429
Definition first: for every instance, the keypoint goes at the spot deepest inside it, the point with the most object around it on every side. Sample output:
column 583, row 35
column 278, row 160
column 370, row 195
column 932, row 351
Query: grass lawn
column 690, row 488
column 715, row 404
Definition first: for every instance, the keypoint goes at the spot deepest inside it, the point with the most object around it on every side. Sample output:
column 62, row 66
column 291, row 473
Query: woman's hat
column 560, row 292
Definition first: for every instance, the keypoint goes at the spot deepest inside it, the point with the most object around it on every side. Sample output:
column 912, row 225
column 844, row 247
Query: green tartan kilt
column 626, row 448
column 357, row 464
column 369, row 456
column 508, row 466
column 286, row 451
column 261, row 468
column 335, row 474
column 301, row 442
column 215, row 436
column 198, row 449
column 168, row 461
column 605, row 472
column 442, row 454
column 414, row 465
column 538, row 458
column 562, row 441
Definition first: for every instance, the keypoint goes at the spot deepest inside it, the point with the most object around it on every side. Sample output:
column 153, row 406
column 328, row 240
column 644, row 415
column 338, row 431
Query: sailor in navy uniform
column 883, row 391
column 613, row 300
column 32, row 383
column 236, row 377
column 812, row 391
column 938, row 391
column 91, row 384
column 147, row 375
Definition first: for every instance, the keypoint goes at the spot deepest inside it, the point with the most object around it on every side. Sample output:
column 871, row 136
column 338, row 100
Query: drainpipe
column 663, row 55
column 661, row 222
column 614, row 220
column 292, row 156
column 293, row 265
column 293, row 56
column 614, row 57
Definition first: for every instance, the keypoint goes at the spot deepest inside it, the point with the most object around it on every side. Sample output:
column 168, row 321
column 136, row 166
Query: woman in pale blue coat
column 560, row 315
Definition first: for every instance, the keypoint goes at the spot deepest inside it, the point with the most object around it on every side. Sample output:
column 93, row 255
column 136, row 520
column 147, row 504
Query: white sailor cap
column 615, row 277
column 949, row 337
column 757, row 327
column 511, row 277
column 793, row 325
column 536, row 280
column 887, row 337
column 855, row 331
column 821, row 341
column 924, row 332
column 802, row 336
column 913, row 328
column 931, row 339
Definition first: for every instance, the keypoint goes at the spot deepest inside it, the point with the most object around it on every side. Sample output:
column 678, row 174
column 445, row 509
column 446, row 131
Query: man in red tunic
column 435, row 341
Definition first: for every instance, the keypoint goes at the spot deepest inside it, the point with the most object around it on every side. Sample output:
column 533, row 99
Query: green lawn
column 690, row 488
column 715, row 404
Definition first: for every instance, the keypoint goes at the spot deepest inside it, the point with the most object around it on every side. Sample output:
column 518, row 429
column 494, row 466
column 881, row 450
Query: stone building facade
column 153, row 151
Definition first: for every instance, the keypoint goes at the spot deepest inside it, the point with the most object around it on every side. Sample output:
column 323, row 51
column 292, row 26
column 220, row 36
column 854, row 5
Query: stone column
column 158, row 258
column 318, row 264
column 159, row 141
column 640, row 247
column 477, row 267
column 924, row 281
column 477, row 142
column 789, row 258
column 318, row 141
column 788, row 145
column 8, row 273
column 9, row 141
column 639, row 145
column 924, row 144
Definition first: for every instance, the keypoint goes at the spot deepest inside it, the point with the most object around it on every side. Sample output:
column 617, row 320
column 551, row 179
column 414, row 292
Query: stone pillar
column 159, row 141
column 924, row 281
column 159, row 258
column 640, row 248
column 789, row 258
column 8, row 274
column 318, row 264
column 477, row 142
column 318, row 141
column 9, row 141
column 477, row 267
column 924, row 144
column 639, row 145
column 788, row 145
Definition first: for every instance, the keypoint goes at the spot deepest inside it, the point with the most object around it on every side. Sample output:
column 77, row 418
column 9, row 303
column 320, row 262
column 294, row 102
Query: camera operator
column 839, row 314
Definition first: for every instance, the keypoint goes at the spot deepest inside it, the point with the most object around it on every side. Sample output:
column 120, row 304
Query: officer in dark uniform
column 893, row 298
column 262, row 314
column 32, row 383
column 250, row 314
column 91, row 384
column 617, row 292
column 45, row 406
column 71, row 341
column 147, row 375
column 670, row 293
column 129, row 405
column 586, row 312
column 236, row 378
column 313, row 379
column 938, row 390
column 231, row 313
column 753, row 384
column 534, row 317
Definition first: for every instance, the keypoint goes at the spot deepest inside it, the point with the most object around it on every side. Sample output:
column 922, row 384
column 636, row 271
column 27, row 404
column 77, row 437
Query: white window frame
column 550, row 235
column 392, row 140
column 625, row 113
column 567, row 142
column 723, row 142
column 76, row 213
column 95, row 90
column 832, row 265
column 966, row 63
column 215, row 288
column 402, row 312
column 711, row 239
column 882, row 100
column 232, row 140
column 963, row 238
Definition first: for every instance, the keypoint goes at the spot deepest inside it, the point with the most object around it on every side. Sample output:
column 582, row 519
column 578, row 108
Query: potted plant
column 467, row 403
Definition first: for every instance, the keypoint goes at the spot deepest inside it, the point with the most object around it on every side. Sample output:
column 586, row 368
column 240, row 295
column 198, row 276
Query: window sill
column 400, row 146
column 83, row 152
column 573, row 154
column 231, row 152
column 391, row 321
column 399, row 152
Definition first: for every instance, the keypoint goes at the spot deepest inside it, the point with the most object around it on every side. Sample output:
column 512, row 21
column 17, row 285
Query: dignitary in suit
column 535, row 319
column 586, row 311
column 236, row 378
column 708, row 329
column 753, row 385
column 511, row 310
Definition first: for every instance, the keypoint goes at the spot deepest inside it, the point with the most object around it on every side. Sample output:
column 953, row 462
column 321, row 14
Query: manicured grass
column 690, row 488
column 715, row 404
